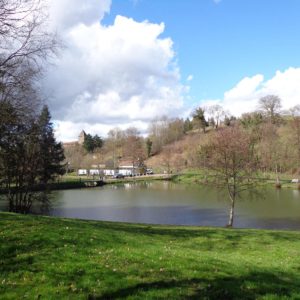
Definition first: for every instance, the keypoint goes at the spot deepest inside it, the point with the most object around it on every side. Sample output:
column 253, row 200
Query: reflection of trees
column 42, row 204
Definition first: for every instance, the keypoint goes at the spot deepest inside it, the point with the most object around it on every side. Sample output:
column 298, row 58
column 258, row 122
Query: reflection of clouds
column 296, row 194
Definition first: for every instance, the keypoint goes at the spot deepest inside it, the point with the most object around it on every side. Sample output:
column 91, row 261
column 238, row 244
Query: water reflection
column 169, row 203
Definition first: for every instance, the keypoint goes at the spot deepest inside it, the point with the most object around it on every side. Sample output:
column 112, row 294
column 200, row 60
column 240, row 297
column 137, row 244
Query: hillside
column 178, row 155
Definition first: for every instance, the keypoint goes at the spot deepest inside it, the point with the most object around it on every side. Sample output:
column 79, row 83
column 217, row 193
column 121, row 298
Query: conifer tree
column 51, row 152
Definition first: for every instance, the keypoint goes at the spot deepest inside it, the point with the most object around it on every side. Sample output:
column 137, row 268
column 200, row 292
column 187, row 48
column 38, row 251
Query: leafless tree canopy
column 25, row 43
column 229, row 156
column 270, row 105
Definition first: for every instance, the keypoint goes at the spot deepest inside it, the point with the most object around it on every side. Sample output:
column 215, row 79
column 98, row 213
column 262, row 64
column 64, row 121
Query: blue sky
column 127, row 62
column 220, row 43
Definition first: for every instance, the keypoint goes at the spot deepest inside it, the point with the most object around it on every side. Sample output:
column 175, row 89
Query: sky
column 127, row 62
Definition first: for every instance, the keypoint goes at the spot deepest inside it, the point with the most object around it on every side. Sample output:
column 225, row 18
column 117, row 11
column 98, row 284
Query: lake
column 163, row 202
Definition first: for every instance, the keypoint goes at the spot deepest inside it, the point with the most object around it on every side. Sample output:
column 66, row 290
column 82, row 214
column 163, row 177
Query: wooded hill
column 174, row 144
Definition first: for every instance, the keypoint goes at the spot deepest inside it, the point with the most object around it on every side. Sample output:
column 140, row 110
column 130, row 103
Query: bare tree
column 295, row 126
column 270, row 106
column 229, row 157
column 134, row 147
column 163, row 131
column 24, row 43
column 217, row 113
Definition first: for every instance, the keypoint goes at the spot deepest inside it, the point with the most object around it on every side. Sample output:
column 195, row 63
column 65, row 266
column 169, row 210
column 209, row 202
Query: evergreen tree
column 199, row 118
column 149, row 147
column 92, row 142
column 51, row 152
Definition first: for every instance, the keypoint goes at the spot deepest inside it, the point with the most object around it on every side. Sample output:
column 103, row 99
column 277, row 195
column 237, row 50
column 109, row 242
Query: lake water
column 162, row 202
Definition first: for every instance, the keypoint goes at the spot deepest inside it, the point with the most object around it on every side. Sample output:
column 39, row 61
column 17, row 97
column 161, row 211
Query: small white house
column 82, row 172
column 108, row 172
column 94, row 172
column 126, row 172
column 295, row 180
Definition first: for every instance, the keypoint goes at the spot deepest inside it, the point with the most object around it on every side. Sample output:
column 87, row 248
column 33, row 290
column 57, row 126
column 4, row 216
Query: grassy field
column 50, row 258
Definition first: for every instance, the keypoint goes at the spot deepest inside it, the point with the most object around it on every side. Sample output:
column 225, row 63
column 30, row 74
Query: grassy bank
column 49, row 258
column 199, row 176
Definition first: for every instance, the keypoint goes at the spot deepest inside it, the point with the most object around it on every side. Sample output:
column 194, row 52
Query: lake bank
column 50, row 258
column 75, row 182
column 199, row 177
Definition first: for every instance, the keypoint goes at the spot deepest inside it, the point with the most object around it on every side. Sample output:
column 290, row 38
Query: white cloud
column 190, row 78
column 68, row 13
column 245, row 95
column 116, row 75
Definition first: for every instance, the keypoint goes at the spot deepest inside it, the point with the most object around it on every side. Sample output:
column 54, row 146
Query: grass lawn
column 51, row 258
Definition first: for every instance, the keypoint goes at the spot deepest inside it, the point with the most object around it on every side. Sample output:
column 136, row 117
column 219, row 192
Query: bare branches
column 25, row 43
column 229, row 155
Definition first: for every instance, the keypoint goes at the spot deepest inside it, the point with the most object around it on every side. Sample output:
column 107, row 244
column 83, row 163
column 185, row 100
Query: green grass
column 269, row 179
column 51, row 258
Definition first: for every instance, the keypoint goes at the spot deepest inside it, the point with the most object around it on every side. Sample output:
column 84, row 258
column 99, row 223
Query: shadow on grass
column 233, row 235
column 250, row 286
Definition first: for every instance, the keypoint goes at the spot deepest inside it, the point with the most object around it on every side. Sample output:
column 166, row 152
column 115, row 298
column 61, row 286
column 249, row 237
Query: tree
column 163, row 131
column 29, row 156
column 148, row 146
column 270, row 105
column 92, row 142
column 271, row 149
column 187, row 125
column 199, row 118
column 134, row 147
column 229, row 156
column 217, row 114
column 25, row 43
column 51, row 152
column 295, row 132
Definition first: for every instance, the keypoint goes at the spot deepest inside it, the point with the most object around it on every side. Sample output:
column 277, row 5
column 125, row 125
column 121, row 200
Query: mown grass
column 51, row 258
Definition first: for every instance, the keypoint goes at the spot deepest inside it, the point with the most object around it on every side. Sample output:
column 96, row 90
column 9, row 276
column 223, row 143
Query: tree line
column 267, row 140
column 29, row 153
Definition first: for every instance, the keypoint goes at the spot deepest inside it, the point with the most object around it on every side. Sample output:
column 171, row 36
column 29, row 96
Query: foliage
column 53, row 258
column 92, row 142
column 29, row 155
column 51, row 153
column 149, row 146
column 188, row 125
column 199, row 118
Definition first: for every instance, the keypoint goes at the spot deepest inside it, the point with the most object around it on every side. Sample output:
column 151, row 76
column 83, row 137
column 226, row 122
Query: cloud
column 245, row 95
column 117, row 75
column 190, row 78
column 217, row 1
column 68, row 13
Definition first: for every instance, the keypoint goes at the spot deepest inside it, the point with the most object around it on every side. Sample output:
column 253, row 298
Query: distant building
column 81, row 137
column 80, row 141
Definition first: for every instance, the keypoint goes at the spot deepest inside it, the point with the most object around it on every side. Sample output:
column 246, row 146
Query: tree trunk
column 278, row 184
column 231, row 213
